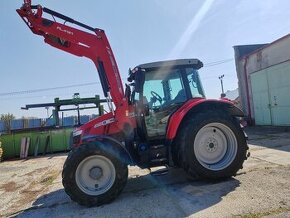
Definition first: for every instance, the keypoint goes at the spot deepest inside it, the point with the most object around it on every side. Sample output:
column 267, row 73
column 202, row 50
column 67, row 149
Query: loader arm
column 94, row 46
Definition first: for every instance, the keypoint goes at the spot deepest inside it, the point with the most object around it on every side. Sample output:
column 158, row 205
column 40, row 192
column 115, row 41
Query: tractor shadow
column 171, row 195
column 177, row 195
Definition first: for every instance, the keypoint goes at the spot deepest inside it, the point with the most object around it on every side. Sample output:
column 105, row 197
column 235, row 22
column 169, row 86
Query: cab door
column 164, row 93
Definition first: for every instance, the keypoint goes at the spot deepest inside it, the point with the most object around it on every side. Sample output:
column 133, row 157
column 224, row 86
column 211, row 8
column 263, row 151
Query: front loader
column 162, row 118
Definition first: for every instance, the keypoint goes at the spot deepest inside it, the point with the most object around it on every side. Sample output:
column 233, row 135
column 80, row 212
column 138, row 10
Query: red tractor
column 162, row 118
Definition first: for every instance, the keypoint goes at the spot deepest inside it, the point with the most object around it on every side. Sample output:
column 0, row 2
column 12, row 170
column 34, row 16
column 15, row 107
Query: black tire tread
column 68, row 176
column 192, row 125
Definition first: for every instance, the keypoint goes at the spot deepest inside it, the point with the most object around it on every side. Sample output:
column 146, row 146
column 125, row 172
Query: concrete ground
column 32, row 188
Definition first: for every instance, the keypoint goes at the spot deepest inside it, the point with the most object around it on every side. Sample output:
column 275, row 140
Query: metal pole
column 222, row 84
column 79, row 118
column 56, row 116
column 47, row 114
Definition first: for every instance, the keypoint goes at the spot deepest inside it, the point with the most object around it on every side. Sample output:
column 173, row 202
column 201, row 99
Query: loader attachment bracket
column 27, row 10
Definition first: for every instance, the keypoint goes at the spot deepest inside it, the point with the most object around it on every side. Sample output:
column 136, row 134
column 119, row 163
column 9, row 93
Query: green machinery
column 58, row 137
column 75, row 101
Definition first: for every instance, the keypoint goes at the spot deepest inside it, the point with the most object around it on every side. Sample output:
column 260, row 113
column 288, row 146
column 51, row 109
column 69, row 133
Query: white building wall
column 272, row 54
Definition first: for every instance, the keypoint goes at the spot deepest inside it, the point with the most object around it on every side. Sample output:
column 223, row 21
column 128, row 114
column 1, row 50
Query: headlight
column 77, row 132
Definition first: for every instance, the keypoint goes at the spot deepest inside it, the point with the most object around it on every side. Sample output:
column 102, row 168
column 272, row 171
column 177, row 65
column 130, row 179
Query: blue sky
column 139, row 32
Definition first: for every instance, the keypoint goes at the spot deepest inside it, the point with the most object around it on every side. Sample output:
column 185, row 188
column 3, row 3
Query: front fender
column 110, row 145
column 195, row 106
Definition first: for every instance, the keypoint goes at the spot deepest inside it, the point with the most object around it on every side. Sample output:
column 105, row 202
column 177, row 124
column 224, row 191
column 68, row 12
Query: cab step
column 159, row 171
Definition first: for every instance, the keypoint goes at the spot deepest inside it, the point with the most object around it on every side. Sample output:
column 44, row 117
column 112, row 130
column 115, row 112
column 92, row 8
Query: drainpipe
column 247, row 90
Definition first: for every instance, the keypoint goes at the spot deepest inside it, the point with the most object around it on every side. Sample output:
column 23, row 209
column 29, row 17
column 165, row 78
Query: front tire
column 212, row 145
column 92, row 176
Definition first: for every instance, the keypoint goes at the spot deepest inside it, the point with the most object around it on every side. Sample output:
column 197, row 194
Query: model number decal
column 105, row 122
column 65, row 31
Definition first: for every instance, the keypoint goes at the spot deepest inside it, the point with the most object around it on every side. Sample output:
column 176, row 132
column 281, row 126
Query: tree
column 6, row 118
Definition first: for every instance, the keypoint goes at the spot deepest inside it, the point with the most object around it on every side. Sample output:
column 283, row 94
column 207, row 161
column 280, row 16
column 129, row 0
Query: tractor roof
column 197, row 64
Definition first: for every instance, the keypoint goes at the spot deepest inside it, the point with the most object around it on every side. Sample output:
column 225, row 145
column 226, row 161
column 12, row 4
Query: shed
column 263, row 72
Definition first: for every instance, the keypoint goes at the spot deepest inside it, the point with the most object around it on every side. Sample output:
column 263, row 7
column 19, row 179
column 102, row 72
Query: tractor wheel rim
column 95, row 175
column 215, row 146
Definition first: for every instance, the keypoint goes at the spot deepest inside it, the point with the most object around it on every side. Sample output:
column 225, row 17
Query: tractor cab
column 160, row 88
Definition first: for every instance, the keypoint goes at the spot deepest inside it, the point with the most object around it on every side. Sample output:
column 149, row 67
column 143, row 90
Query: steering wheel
column 158, row 97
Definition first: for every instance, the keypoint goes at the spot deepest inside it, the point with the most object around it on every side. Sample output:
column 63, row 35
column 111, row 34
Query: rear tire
column 92, row 176
column 212, row 145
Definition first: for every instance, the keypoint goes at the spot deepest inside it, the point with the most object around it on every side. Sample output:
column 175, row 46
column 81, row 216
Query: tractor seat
column 180, row 97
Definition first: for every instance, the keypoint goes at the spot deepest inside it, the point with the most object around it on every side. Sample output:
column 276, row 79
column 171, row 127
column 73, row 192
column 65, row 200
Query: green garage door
column 271, row 95
column 279, row 87
column 262, row 110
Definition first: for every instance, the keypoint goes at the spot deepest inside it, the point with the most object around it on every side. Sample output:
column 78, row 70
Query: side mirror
column 138, row 75
column 130, row 75
column 139, row 80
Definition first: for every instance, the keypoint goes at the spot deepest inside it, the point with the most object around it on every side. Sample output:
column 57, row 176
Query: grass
column 266, row 213
column 48, row 180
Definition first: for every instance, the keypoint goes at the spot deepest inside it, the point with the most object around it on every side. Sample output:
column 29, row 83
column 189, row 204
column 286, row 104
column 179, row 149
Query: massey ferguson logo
column 65, row 31
column 105, row 122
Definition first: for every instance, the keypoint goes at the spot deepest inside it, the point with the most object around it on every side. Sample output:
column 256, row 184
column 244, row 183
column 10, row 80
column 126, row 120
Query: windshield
column 164, row 87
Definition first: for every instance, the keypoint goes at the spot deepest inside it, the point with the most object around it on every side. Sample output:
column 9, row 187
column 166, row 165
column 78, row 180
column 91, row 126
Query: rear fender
column 195, row 106
column 110, row 145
